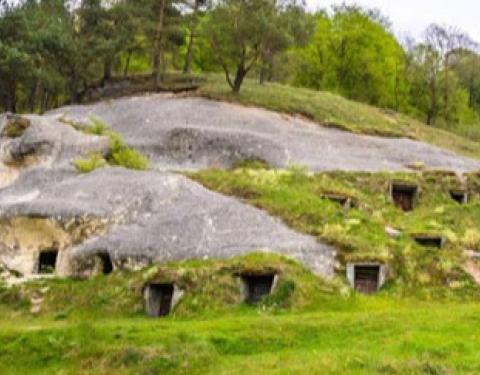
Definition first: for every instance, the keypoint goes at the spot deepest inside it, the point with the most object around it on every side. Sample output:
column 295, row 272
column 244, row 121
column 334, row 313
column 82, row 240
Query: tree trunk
column 31, row 101
column 432, row 112
column 239, row 77
column 74, row 91
column 262, row 75
column 127, row 63
column 107, row 70
column 11, row 105
column 158, row 48
column 44, row 101
column 193, row 28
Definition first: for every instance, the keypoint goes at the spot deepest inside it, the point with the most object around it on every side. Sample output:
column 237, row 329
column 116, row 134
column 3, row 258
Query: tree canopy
column 53, row 51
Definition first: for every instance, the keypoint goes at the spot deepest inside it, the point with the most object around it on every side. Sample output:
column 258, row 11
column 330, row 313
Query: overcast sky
column 411, row 17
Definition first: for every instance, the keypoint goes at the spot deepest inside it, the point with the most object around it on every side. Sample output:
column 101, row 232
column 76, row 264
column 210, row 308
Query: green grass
column 97, row 326
column 335, row 111
column 119, row 154
column 87, row 165
column 359, row 335
column 359, row 233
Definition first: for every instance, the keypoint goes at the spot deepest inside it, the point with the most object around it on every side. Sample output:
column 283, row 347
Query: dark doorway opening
column 459, row 196
column 106, row 264
column 404, row 196
column 367, row 279
column 429, row 241
column 159, row 299
column 47, row 261
column 257, row 287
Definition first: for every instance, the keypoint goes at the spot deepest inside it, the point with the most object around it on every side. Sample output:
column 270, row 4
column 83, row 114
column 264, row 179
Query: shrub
column 95, row 161
column 98, row 127
column 122, row 155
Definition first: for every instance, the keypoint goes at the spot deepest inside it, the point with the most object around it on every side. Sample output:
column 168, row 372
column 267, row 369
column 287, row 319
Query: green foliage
column 124, row 156
column 97, row 127
column 87, row 165
column 355, row 55
column 257, row 33
column 119, row 154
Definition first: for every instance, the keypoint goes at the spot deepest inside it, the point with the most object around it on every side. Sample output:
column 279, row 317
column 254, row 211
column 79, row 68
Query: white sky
column 411, row 17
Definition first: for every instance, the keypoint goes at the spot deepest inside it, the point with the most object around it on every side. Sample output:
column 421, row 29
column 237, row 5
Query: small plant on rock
column 95, row 161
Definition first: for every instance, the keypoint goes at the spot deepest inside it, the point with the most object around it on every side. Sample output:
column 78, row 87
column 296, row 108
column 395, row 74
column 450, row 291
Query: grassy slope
column 359, row 233
column 336, row 111
column 97, row 327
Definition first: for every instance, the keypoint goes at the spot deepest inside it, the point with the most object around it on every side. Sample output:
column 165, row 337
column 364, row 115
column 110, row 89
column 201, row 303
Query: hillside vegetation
column 360, row 233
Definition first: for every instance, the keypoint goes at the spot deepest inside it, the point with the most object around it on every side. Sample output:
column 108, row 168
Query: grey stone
column 197, row 133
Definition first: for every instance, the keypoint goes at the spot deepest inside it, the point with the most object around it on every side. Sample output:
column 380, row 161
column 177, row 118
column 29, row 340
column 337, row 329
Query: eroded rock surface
column 155, row 217
column 197, row 133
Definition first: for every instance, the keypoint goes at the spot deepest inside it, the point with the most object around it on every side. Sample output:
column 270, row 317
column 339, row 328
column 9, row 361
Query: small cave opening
column 366, row 278
column 257, row 287
column 159, row 299
column 404, row 195
column 430, row 241
column 459, row 196
column 47, row 261
column 106, row 265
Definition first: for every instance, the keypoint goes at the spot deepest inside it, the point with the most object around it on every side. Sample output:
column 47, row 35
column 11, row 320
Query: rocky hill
column 133, row 218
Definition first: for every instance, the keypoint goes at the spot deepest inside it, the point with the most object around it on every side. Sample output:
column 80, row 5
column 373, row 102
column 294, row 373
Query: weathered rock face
column 151, row 216
column 179, row 133
column 133, row 218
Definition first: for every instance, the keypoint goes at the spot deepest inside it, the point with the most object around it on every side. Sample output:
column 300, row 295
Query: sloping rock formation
column 197, row 133
column 133, row 218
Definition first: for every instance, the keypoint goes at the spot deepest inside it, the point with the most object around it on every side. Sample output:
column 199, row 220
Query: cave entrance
column 430, row 241
column 366, row 279
column 459, row 196
column 404, row 195
column 257, row 287
column 106, row 264
column 47, row 261
column 159, row 298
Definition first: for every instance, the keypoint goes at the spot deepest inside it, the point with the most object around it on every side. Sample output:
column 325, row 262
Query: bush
column 98, row 127
column 95, row 161
column 122, row 155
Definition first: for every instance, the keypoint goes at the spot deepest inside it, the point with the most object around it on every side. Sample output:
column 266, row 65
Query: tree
column 354, row 54
column 238, row 32
column 194, row 6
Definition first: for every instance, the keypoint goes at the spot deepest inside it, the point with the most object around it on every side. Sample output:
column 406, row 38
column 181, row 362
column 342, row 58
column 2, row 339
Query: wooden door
column 366, row 279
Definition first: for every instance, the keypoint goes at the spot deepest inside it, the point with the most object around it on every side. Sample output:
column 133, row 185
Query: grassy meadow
column 97, row 326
